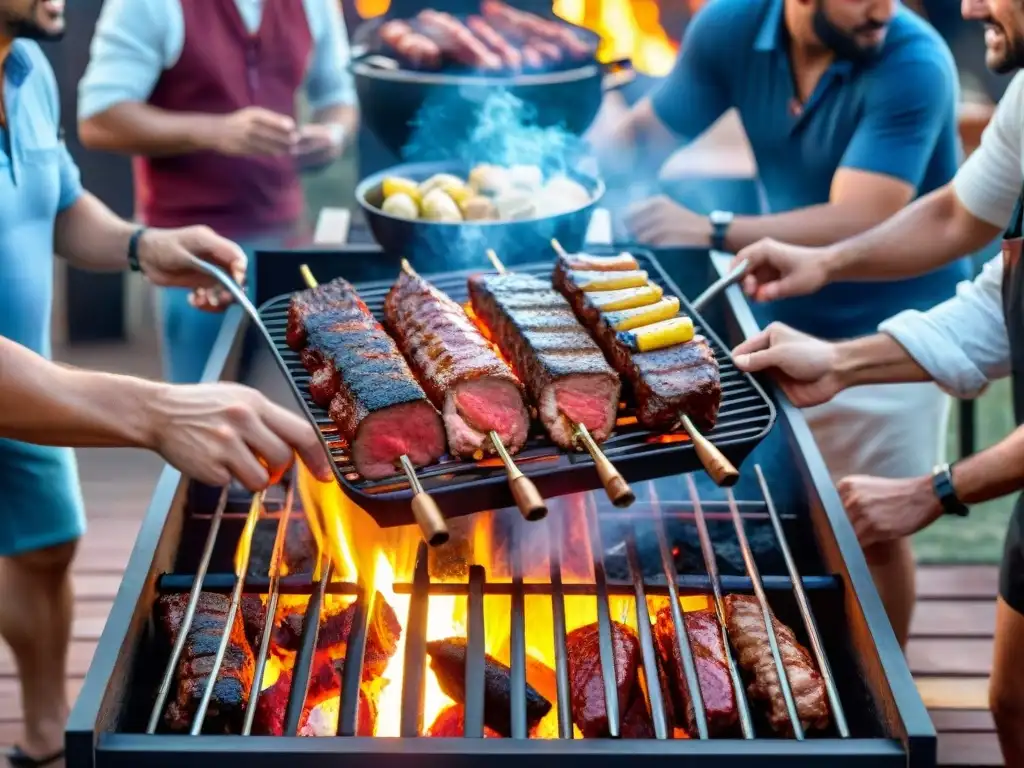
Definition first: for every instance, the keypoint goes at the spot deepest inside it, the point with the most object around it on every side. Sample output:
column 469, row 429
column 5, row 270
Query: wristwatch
column 133, row 249
column 942, row 483
column 720, row 221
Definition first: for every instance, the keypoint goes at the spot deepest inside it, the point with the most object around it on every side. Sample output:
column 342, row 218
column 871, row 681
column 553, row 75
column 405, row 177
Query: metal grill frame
column 465, row 487
column 92, row 740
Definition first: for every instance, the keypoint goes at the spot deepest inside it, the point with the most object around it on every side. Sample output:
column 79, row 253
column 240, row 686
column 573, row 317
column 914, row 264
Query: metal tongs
column 732, row 277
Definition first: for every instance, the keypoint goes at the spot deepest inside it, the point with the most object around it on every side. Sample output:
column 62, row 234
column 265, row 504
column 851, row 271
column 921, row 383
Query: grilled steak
column 234, row 678
column 708, row 648
column 448, row 660
column 359, row 375
column 563, row 369
column 749, row 637
column 324, row 685
column 467, row 381
column 586, row 682
column 682, row 378
column 451, row 723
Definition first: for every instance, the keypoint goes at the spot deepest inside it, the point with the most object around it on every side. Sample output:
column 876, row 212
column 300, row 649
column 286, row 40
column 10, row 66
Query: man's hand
column 255, row 131
column 165, row 256
column 779, row 271
column 318, row 145
column 804, row 366
column 660, row 221
column 883, row 510
column 215, row 432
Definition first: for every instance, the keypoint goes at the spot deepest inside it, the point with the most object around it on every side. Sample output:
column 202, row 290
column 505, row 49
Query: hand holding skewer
column 615, row 485
column 428, row 515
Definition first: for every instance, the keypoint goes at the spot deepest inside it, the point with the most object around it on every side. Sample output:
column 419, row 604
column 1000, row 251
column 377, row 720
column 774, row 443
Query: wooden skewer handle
column 429, row 519
column 528, row 499
column 615, row 484
column 717, row 465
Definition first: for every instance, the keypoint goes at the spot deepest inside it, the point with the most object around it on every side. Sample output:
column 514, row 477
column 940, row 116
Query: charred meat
column 448, row 660
column 563, row 369
column 451, row 723
column 467, row 381
column 678, row 379
column 359, row 375
column 234, row 678
column 708, row 648
column 586, row 682
column 749, row 636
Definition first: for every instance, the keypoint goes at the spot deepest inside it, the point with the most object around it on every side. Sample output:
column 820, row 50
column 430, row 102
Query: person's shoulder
column 732, row 23
column 912, row 40
column 40, row 69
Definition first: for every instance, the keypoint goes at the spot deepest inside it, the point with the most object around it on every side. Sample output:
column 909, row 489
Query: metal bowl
column 434, row 245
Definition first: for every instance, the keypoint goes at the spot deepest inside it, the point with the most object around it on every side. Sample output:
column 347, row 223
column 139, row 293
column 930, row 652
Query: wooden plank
column 10, row 696
column 969, row 749
column 954, row 618
column 962, row 720
column 10, row 733
column 952, row 692
column 90, row 618
column 945, row 581
column 950, row 657
column 80, row 655
column 91, row 586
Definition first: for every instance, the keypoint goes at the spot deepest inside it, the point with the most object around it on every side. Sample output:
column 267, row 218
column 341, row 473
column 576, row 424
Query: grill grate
column 422, row 586
column 463, row 487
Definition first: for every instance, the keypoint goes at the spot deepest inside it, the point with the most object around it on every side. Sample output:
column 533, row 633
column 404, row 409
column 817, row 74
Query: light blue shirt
column 38, row 180
column 137, row 40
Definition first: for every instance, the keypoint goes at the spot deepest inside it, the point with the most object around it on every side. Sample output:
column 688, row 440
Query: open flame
column 628, row 28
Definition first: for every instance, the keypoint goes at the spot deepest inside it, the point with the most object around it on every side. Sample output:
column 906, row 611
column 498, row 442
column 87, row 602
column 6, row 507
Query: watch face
column 720, row 217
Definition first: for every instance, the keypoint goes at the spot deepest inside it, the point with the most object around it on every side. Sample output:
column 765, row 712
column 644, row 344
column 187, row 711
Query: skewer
column 424, row 508
column 721, row 470
column 615, row 485
column 528, row 499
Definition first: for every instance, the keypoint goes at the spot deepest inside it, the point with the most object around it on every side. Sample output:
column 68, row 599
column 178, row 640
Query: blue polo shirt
column 40, row 501
column 895, row 116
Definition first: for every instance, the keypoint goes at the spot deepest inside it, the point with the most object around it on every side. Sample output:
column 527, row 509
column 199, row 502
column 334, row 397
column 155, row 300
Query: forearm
column 136, row 128
column 925, row 235
column 876, row 359
column 992, row 473
column 49, row 404
column 816, row 225
column 90, row 236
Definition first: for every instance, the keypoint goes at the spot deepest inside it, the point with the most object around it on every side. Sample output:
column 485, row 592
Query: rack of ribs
column 668, row 381
column 564, row 371
column 749, row 637
column 474, row 389
column 359, row 375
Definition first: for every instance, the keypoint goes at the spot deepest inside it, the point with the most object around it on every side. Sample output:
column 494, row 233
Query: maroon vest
column 222, row 69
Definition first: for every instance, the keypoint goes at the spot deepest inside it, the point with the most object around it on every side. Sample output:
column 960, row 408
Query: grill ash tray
column 466, row 487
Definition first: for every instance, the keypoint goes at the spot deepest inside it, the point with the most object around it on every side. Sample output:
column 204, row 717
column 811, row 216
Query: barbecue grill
column 780, row 534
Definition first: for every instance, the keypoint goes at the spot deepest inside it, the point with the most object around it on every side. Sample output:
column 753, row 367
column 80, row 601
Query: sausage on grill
column 419, row 49
column 563, row 369
column 452, row 36
column 708, row 648
column 448, row 660
column 376, row 402
column 749, row 637
column 667, row 382
column 234, row 678
column 512, row 58
column 524, row 25
column 586, row 682
column 467, row 381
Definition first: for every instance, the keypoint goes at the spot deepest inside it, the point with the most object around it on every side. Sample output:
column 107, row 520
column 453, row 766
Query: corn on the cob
column 613, row 301
column 609, row 281
column 667, row 333
column 585, row 261
column 628, row 319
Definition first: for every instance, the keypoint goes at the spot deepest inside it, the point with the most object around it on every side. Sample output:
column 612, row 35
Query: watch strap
column 720, row 221
column 942, row 483
column 133, row 250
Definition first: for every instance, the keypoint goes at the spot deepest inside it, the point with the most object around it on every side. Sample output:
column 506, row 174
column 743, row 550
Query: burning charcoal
column 253, row 611
column 586, row 684
column 324, row 685
column 708, row 647
column 234, row 679
column 448, row 660
column 451, row 723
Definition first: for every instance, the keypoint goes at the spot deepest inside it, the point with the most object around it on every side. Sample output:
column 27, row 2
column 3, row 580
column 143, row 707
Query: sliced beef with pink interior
column 563, row 369
column 376, row 402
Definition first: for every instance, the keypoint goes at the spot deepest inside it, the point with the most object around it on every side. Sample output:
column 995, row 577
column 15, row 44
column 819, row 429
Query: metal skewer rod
column 424, row 508
column 190, row 612
column 273, row 593
column 615, row 485
column 241, row 568
column 721, row 470
column 527, row 497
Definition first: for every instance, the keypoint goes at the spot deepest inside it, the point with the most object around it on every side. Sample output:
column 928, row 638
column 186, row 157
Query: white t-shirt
column 962, row 342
